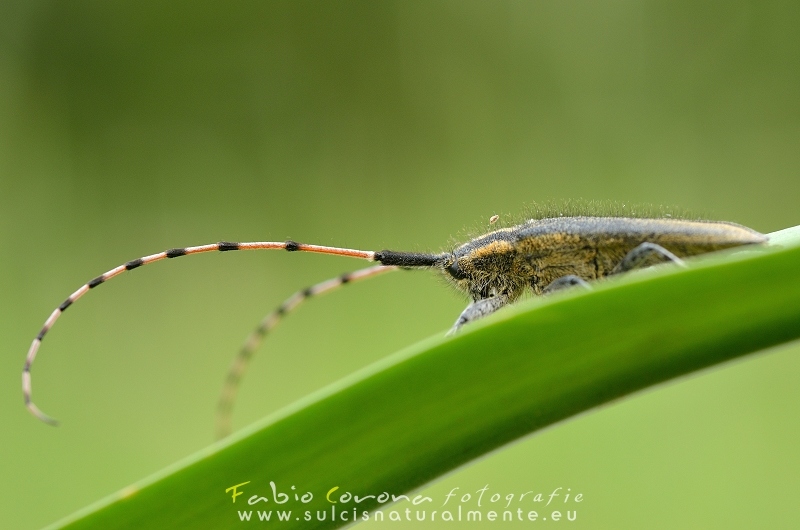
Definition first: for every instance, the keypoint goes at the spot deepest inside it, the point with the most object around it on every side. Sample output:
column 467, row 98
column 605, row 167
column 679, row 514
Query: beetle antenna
column 385, row 257
column 242, row 360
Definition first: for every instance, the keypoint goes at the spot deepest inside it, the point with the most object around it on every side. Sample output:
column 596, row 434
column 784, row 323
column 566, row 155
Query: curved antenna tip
column 42, row 416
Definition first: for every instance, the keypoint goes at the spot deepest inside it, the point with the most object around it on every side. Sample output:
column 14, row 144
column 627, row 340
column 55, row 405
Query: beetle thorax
column 487, row 267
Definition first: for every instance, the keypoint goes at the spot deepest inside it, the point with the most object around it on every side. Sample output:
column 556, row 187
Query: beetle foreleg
column 478, row 309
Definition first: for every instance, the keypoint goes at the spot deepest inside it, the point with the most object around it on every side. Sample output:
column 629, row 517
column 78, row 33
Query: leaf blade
column 441, row 403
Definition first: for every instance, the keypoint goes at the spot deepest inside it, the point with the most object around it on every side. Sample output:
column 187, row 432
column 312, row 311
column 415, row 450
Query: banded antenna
column 388, row 259
column 268, row 323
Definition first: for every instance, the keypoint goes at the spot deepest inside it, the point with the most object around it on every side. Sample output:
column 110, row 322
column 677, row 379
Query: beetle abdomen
column 591, row 247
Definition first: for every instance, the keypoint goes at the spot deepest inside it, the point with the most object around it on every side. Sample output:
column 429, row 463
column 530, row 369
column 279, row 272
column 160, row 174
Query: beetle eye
column 455, row 271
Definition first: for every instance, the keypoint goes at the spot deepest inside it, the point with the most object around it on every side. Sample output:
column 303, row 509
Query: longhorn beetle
column 494, row 269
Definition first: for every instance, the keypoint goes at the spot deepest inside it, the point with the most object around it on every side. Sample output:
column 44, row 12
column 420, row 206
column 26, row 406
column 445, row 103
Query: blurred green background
column 127, row 128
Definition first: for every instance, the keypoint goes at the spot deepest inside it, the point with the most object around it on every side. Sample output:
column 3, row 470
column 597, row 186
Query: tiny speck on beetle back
column 493, row 219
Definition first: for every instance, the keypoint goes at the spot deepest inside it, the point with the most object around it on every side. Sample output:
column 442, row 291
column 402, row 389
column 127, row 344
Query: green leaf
column 428, row 409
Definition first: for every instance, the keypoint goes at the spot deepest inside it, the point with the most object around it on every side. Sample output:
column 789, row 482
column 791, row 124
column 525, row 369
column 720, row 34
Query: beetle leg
column 644, row 255
column 478, row 309
column 564, row 282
